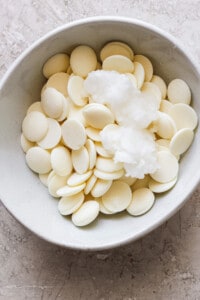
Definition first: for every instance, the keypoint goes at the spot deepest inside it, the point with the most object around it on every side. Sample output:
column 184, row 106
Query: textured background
column 163, row 265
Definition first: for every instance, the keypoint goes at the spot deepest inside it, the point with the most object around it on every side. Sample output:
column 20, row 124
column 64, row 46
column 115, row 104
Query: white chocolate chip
column 166, row 127
column 151, row 88
column 73, row 133
column 108, row 165
column 86, row 214
column 38, row 160
column 158, row 187
column 76, row 90
column 129, row 180
column 83, row 60
column 77, row 179
column 147, row 65
column 141, row 183
column 101, row 187
column 163, row 142
column 116, row 48
column 89, row 184
column 118, row 63
column 93, row 134
column 67, row 190
column 92, row 153
column 139, row 73
column 80, row 160
column 108, row 176
column 160, row 84
column 35, row 126
column 168, row 169
column 102, row 208
column 184, row 116
column 55, row 183
column 165, row 106
column 35, row 106
column 52, row 102
column 76, row 113
column 65, row 111
column 50, row 176
column 98, row 115
column 61, row 161
column 59, row 81
column 53, row 136
column 179, row 92
column 68, row 205
column 101, row 150
column 142, row 201
column 57, row 63
column 181, row 141
column 118, row 197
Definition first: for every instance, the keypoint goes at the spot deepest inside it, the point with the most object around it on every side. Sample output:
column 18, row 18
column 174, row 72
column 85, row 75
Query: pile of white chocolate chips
column 107, row 136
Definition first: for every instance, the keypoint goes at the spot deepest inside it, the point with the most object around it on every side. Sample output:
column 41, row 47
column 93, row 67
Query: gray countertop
column 163, row 265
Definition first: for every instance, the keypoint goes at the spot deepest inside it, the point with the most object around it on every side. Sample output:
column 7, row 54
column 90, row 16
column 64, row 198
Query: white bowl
column 21, row 191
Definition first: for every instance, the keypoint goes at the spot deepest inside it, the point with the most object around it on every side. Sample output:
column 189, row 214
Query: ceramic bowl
column 21, row 191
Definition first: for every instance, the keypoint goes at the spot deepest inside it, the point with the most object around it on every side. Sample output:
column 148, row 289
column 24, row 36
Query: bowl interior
column 22, row 192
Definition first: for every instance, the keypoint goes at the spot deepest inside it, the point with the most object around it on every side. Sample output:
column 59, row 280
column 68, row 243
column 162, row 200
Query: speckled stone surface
column 163, row 265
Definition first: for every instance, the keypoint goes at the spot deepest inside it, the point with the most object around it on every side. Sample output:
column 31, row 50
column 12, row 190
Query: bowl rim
column 64, row 27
